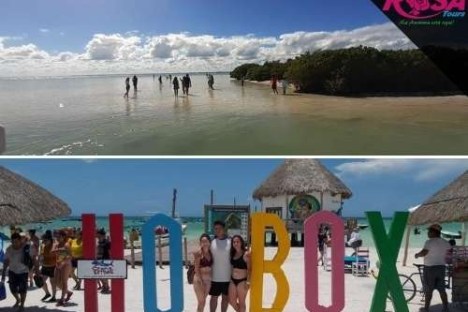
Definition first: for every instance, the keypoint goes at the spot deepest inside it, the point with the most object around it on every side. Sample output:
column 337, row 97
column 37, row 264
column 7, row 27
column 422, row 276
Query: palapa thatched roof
column 22, row 201
column 301, row 176
column 450, row 204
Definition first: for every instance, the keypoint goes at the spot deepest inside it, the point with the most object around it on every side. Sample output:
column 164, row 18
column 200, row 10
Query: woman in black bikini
column 239, row 286
column 202, row 278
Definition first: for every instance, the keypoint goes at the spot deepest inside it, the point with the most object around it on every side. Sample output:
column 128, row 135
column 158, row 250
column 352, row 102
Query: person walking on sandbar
column 127, row 87
column 135, row 83
column 175, row 83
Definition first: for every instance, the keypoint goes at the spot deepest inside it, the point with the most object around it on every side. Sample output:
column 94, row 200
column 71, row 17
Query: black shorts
column 18, row 282
column 218, row 288
column 434, row 278
column 48, row 271
column 74, row 263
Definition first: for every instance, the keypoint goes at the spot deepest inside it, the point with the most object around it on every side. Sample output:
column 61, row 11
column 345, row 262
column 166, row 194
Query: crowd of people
column 49, row 261
column 222, row 268
column 185, row 82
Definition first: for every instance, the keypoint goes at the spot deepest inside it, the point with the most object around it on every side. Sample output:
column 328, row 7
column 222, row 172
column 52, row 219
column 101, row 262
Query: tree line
column 356, row 71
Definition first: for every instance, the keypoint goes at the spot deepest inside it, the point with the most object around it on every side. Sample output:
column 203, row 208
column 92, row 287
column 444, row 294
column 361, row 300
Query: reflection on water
column 94, row 118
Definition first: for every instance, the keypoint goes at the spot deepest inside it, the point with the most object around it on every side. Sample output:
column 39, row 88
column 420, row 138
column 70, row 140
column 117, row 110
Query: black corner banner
column 439, row 28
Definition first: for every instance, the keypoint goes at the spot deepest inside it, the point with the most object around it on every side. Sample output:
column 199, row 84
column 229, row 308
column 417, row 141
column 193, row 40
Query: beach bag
column 27, row 259
column 38, row 281
column 2, row 291
column 190, row 273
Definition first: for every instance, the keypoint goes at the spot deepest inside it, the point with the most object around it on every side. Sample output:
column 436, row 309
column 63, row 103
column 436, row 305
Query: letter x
column 387, row 249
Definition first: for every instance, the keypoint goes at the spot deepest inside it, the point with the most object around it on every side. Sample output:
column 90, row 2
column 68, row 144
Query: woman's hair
column 243, row 246
column 204, row 235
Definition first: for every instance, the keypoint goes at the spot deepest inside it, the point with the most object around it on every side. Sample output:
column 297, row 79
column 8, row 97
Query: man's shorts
column 18, row 282
column 434, row 278
column 218, row 288
column 48, row 271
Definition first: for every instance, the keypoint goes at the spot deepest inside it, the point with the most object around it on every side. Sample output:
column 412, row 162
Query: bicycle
column 407, row 283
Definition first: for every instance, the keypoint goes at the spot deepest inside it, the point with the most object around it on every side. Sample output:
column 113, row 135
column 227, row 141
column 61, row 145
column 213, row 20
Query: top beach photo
column 161, row 77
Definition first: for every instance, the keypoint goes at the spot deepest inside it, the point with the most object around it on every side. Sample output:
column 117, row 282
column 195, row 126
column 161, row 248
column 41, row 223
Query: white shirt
column 221, row 269
column 354, row 237
column 437, row 250
column 15, row 256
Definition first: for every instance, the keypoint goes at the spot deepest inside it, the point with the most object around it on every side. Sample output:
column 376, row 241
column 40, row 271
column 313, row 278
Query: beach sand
column 359, row 290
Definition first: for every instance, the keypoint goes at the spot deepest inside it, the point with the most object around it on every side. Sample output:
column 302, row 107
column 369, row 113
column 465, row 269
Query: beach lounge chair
column 361, row 264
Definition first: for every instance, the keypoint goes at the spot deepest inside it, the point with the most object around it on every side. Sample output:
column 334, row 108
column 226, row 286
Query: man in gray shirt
column 17, row 270
column 221, row 269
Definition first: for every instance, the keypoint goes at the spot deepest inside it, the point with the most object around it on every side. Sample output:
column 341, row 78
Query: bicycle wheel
column 408, row 286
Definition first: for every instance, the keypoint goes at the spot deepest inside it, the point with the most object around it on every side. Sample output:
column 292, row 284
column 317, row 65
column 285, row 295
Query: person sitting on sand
column 203, row 260
column 240, row 282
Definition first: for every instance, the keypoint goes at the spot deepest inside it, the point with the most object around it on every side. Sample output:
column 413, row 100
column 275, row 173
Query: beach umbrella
column 408, row 233
column 23, row 201
column 450, row 204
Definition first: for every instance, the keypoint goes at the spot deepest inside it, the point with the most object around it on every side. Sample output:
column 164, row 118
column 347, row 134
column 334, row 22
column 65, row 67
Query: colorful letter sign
column 387, row 249
column 312, row 225
column 260, row 266
column 149, row 261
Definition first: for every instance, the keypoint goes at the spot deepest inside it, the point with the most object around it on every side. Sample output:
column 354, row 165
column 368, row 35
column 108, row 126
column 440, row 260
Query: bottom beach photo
column 234, row 234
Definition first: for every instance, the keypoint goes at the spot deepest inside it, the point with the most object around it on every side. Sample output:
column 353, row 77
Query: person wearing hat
column 434, row 252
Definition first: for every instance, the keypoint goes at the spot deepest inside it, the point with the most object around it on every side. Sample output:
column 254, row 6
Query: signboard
column 235, row 217
column 102, row 269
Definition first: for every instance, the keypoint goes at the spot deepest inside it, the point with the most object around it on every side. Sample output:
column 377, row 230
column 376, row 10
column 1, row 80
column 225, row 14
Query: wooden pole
column 185, row 253
column 2, row 140
column 174, row 198
column 405, row 254
column 160, row 252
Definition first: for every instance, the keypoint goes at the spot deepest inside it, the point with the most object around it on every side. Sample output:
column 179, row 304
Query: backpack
column 27, row 259
column 190, row 273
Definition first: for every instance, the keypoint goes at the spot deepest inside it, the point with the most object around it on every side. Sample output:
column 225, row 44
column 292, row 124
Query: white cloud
column 422, row 170
column 44, row 30
column 133, row 51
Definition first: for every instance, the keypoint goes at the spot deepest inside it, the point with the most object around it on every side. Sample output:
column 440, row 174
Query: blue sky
column 60, row 37
column 80, row 20
column 136, row 187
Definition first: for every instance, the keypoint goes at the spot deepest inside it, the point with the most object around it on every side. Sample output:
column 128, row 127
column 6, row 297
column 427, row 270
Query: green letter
column 388, row 247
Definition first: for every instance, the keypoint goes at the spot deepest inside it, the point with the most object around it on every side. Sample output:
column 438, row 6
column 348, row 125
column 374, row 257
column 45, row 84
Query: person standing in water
column 284, row 84
column 135, row 83
column 175, row 83
column 210, row 81
column 160, row 79
column 127, row 87
column 274, row 84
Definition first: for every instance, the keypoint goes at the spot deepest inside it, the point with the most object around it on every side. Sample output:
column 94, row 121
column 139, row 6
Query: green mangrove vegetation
column 355, row 71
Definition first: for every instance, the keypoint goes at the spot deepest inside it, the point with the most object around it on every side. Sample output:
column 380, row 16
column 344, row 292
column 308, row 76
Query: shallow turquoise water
column 89, row 116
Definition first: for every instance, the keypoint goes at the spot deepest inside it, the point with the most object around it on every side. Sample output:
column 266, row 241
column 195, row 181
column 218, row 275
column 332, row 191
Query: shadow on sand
column 44, row 308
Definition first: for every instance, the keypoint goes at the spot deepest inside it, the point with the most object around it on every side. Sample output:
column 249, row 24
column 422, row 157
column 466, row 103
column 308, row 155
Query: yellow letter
column 259, row 222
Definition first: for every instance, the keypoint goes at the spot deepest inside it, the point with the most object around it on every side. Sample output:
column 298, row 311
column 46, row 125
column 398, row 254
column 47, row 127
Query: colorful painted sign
column 303, row 206
column 235, row 217
column 102, row 269
column 387, row 248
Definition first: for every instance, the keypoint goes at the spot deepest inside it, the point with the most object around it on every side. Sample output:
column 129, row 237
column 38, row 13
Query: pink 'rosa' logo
column 422, row 9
